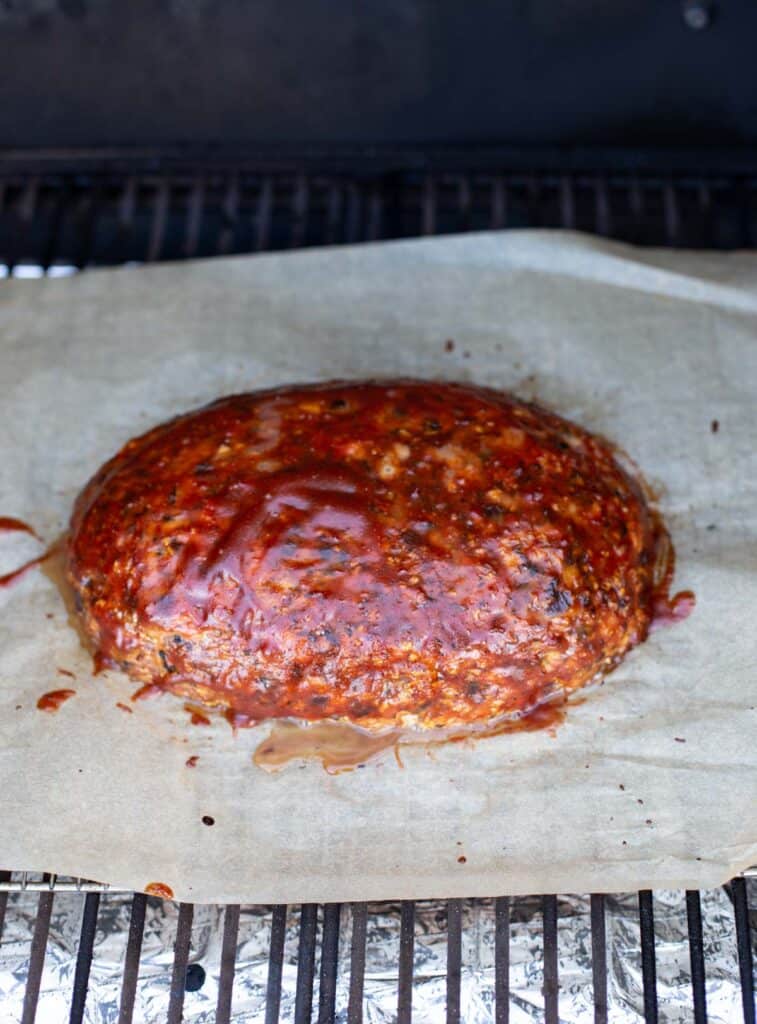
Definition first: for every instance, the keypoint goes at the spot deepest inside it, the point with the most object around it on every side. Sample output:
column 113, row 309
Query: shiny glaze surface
column 391, row 554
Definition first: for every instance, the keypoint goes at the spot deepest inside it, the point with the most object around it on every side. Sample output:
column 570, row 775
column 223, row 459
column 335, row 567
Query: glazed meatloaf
column 387, row 553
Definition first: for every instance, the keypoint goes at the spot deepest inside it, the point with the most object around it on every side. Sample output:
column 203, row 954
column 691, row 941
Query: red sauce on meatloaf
column 389, row 553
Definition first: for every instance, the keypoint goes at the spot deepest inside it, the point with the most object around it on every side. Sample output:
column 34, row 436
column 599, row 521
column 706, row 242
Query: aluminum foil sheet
column 477, row 987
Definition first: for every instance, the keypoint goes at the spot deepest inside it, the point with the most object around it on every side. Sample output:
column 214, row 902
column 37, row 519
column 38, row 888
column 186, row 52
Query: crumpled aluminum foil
column 477, row 987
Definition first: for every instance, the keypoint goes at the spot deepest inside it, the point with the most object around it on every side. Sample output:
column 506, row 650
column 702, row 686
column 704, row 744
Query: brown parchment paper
column 651, row 781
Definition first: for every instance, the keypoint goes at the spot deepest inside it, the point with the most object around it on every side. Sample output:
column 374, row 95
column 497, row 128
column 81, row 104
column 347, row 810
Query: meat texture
column 389, row 553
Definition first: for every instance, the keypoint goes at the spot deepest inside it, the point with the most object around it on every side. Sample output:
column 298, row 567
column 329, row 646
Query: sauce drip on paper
column 165, row 892
column 197, row 715
column 147, row 691
column 667, row 608
column 12, row 577
column 8, row 524
column 54, row 699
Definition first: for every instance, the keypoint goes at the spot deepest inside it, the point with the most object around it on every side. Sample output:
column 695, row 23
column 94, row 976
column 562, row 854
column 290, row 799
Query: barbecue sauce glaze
column 386, row 553
column 53, row 700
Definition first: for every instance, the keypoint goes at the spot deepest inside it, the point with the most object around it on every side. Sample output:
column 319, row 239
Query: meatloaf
column 390, row 553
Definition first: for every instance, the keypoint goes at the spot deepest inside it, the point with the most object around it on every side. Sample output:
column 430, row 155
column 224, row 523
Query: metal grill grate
column 59, row 214
column 303, row 944
column 110, row 215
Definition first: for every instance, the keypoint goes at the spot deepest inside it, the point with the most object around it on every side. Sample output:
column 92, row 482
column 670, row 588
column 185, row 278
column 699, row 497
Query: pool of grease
column 341, row 746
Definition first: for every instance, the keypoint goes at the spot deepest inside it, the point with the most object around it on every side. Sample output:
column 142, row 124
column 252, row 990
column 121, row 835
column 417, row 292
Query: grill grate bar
column 743, row 942
column 354, row 213
column 49, row 250
column 602, row 208
column 454, row 958
column 498, row 212
column 648, row 964
column 229, row 213
column 502, row 960
column 299, row 218
column 672, row 215
column 194, row 217
column 158, row 225
column 534, row 186
column 696, row 952
column 329, row 963
column 374, row 230
column 428, row 223
column 637, row 204
column 303, row 1000
column 37, row 957
column 275, row 964
column 551, row 981
column 407, row 949
column 26, row 209
column 131, row 961
column 84, row 957
column 707, row 218
column 85, row 217
column 4, row 877
column 599, row 958
column 109, row 217
column 567, row 204
column 263, row 211
column 464, row 203
column 127, row 203
column 357, row 963
column 14, row 233
column 180, row 961
column 333, row 213
column 228, row 963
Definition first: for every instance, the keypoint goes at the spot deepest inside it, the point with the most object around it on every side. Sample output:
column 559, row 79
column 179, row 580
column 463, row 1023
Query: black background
column 524, row 72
